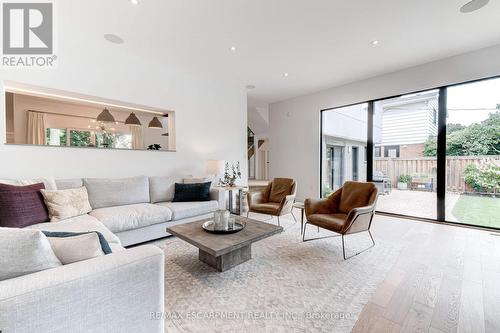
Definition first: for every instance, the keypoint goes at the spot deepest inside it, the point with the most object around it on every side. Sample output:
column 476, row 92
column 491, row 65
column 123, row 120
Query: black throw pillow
column 192, row 192
column 104, row 243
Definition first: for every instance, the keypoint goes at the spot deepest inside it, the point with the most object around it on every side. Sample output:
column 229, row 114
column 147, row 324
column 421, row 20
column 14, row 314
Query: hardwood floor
column 446, row 279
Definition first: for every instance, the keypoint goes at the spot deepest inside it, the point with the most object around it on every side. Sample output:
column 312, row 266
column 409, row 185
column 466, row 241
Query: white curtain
column 37, row 127
column 136, row 137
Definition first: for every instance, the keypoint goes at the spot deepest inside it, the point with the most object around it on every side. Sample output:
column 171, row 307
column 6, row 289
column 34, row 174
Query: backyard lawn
column 478, row 210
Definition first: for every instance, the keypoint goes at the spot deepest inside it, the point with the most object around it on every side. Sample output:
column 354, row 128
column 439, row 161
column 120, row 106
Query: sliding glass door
column 403, row 169
column 433, row 154
column 473, row 154
column 344, row 137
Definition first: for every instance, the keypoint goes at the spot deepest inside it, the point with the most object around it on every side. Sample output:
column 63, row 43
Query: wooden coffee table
column 224, row 251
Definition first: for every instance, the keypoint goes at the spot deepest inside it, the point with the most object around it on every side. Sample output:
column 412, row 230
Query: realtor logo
column 28, row 34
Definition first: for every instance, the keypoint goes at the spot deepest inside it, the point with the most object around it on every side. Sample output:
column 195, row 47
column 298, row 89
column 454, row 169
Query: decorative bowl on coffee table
column 209, row 226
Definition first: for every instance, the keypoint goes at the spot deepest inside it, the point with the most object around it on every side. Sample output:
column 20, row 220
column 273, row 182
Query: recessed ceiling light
column 285, row 74
column 233, row 48
column 375, row 42
column 113, row 38
column 134, row 2
column 473, row 5
column 250, row 86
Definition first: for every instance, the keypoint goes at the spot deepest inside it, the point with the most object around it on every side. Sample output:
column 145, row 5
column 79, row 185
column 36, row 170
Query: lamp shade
column 155, row 123
column 105, row 116
column 132, row 120
column 215, row 167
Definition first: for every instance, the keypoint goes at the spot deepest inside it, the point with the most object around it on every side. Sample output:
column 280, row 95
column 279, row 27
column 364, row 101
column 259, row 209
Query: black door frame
column 441, row 150
column 355, row 162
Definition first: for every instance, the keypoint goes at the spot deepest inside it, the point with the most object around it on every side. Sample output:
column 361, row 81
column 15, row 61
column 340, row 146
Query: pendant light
column 105, row 117
column 155, row 123
column 132, row 120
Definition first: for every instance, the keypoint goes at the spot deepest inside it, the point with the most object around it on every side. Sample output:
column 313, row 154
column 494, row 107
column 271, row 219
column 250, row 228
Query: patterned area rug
column 287, row 286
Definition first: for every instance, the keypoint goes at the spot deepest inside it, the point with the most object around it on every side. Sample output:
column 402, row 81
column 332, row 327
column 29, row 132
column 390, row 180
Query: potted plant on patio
column 403, row 181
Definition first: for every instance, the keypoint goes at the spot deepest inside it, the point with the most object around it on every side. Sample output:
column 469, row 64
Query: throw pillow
column 102, row 240
column 49, row 182
column 63, row 204
column 74, row 247
column 24, row 251
column 21, row 206
column 192, row 192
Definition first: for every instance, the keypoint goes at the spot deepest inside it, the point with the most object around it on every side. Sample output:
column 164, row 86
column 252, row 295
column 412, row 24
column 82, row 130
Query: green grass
column 478, row 210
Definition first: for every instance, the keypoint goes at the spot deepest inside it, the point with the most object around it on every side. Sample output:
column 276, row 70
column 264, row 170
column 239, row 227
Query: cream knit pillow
column 63, row 204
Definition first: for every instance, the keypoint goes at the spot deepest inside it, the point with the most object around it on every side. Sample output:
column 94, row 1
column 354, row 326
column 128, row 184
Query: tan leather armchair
column 348, row 210
column 275, row 200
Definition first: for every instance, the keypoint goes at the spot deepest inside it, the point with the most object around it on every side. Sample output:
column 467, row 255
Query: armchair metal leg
column 279, row 224
column 343, row 242
column 343, row 247
column 294, row 218
column 316, row 238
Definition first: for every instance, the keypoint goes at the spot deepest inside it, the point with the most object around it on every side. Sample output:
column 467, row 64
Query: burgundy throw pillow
column 21, row 206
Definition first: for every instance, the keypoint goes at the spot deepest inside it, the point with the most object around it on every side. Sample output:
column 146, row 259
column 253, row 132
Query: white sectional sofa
column 118, row 292
column 138, row 209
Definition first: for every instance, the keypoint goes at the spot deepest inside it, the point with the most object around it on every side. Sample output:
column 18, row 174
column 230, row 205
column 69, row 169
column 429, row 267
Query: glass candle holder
column 221, row 219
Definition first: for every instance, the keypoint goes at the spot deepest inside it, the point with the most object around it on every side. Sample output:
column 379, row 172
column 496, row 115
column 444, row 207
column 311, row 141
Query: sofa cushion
column 82, row 223
column 182, row 210
column 64, row 204
column 117, row 192
column 24, row 251
column 64, row 184
column 116, row 247
column 162, row 188
column 49, row 182
column 122, row 218
column 21, row 206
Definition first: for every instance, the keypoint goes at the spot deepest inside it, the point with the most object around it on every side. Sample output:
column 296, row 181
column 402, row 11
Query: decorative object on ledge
column 132, row 120
column 155, row 123
column 105, row 117
column 154, row 147
column 230, row 176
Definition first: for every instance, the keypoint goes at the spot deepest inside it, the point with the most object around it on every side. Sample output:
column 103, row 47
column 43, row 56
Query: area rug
column 287, row 286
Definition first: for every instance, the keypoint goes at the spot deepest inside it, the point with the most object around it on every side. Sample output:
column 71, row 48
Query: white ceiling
column 321, row 43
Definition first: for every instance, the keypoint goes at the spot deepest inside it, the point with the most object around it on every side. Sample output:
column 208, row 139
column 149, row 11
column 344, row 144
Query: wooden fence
column 455, row 166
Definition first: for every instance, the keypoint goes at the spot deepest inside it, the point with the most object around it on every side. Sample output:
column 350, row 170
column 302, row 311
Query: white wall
column 210, row 121
column 294, row 124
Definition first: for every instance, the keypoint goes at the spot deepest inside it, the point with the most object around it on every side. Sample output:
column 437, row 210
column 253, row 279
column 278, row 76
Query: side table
column 299, row 205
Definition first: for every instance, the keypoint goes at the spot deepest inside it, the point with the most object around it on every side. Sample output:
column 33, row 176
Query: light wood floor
column 447, row 279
